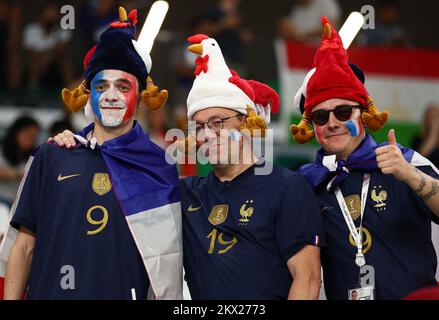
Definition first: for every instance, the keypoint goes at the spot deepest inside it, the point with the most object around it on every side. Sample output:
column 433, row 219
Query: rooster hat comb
column 216, row 85
column 117, row 49
column 333, row 77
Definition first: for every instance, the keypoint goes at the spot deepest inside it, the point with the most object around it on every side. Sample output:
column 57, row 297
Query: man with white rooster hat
column 245, row 236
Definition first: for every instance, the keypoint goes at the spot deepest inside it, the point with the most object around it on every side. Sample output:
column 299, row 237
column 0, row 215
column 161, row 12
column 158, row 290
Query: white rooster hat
column 218, row 86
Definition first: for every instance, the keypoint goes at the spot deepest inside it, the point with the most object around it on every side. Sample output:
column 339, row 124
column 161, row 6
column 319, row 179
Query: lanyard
column 360, row 260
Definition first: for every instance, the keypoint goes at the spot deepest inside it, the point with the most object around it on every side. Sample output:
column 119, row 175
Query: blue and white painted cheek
column 354, row 127
column 235, row 135
column 95, row 95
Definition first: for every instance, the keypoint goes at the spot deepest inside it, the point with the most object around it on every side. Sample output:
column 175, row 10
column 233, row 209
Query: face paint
column 353, row 127
column 95, row 95
column 318, row 130
column 114, row 96
column 235, row 135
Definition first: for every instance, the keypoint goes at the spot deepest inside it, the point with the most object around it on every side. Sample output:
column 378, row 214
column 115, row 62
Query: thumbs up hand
column 391, row 161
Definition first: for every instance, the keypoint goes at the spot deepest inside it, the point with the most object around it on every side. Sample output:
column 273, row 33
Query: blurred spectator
column 304, row 23
column 59, row 126
column 427, row 144
column 10, row 41
column 387, row 31
column 96, row 15
column 18, row 144
column 232, row 36
column 4, row 218
column 157, row 122
column 46, row 46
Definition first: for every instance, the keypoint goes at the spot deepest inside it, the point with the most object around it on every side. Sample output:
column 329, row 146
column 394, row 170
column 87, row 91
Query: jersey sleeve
column 419, row 201
column 298, row 221
column 27, row 203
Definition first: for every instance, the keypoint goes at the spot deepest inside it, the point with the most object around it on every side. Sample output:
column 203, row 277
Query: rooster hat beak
column 196, row 48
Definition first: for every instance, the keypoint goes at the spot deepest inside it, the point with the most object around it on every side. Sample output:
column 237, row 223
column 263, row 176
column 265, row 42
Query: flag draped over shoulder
column 147, row 189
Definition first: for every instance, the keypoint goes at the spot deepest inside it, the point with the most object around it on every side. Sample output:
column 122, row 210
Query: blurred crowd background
column 38, row 59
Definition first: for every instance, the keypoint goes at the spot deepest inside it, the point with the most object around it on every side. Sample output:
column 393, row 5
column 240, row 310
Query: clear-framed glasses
column 215, row 124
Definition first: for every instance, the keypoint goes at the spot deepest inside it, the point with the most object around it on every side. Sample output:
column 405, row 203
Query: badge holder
column 359, row 293
column 364, row 289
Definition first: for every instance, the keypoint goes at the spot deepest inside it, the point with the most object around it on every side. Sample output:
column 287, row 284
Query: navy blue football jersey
column 238, row 235
column 84, row 248
column 396, row 237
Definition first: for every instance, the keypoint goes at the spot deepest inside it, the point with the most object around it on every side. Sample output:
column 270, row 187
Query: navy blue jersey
column 238, row 235
column 396, row 237
column 68, row 202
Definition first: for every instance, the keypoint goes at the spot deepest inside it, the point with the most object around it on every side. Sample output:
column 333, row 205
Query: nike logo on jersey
column 192, row 209
column 61, row 178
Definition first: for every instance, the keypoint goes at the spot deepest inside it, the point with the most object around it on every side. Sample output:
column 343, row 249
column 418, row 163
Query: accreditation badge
column 364, row 289
column 359, row 293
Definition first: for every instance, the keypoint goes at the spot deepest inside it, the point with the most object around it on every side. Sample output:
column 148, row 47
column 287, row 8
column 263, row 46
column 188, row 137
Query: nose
column 205, row 135
column 111, row 95
column 208, row 133
column 333, row 122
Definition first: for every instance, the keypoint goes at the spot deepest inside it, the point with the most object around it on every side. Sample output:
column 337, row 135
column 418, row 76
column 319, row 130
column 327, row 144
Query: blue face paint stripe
column 95, row 95
column 352, row 128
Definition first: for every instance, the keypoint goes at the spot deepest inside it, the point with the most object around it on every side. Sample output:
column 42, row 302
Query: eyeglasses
column 216, row 123
column 341, row 112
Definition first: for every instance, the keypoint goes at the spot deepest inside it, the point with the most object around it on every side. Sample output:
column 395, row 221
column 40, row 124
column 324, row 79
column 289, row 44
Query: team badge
column 246, row 211
column 379, row 196
column 101, row 183
column 354, row 205
column 218, row 214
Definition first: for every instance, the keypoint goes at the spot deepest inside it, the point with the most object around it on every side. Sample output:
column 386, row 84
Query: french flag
column 147, row 188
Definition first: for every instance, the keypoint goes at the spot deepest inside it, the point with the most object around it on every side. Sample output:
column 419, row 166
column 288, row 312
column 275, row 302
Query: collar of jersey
column 242, row 176
column 123, row 140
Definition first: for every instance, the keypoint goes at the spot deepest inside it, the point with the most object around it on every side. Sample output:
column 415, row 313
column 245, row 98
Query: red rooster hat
column 334, row 78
